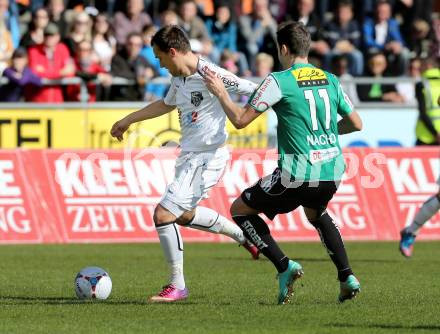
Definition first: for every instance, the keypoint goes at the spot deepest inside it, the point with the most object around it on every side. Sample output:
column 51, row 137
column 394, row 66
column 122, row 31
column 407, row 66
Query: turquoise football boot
column 349, row 289
column 286, row 279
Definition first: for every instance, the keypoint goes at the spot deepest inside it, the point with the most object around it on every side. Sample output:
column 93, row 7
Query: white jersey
column 201, row 116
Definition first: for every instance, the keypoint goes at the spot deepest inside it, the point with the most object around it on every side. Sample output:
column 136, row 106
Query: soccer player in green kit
column 307, row 102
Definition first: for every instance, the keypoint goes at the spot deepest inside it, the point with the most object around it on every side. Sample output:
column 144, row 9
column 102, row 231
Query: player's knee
column 162, row 216
column 186, row 217
column 240, row 208
column 311, row 214
column 235, row 207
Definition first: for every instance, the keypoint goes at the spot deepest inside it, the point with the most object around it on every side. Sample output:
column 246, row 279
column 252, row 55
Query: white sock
column 428, row 209
column 172, row 245
column 209, row 220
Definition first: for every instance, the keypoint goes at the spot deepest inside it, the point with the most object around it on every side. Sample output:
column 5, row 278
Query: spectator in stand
column 435, row 45
column 153, row 91
column 411, row 11
column 132, row 21
column 344, row 37
column 420, row 38
column 129, row 64
column 169, row 18
column 223, row 33
column 50, row 60
column 87, row 67
column 377, row 92
column 383, row 34
column 20, row 78
column 228, row 62
column 104, row 42
column 6, row 46
column 263, row 65
column 408, row 89
column 190, row 22
column 35, row 34
column 57, row 15
column 305, row 13
column 257, row 32
column 80, row 31
column 10, row 19
column 339, row 67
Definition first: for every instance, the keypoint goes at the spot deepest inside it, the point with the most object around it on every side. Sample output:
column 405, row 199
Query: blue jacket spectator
column 383, row 34
column 153, row 91
column 222, row 30
column 392, row 34
column 9, row 13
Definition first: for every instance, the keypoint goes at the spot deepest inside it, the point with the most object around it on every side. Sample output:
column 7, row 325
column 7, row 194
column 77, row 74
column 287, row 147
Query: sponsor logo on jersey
column 323, row 155
column 194, row 116
column 228, row 80
column 196, row 98
column 261, row 105
column 308, row 77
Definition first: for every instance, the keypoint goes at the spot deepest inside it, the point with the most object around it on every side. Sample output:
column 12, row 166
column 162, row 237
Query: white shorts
column 195, row 174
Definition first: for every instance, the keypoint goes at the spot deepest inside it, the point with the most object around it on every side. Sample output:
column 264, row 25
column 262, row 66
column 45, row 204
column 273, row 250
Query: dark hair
column 133, row 34
column 382, row 2
column 171, row 37
column 109, row 33
column 345, row 3
column 148, row 27
column 295, row 36
column 19, row 52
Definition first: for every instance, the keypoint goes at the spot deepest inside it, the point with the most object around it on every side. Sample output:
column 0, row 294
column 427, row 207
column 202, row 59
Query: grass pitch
column 229, row 293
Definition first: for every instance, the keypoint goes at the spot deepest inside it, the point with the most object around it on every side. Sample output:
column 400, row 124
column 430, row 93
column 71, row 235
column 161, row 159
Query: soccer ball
column 93, row 282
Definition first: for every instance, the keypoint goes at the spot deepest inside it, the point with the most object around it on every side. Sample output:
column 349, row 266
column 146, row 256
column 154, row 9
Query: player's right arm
column 153, row 110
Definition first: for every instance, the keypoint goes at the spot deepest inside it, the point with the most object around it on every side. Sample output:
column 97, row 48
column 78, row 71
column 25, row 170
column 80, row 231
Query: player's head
column 293, row 41
column 170, row 45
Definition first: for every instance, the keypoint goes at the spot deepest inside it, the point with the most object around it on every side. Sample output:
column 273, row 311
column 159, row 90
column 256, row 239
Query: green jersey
column 307, row 101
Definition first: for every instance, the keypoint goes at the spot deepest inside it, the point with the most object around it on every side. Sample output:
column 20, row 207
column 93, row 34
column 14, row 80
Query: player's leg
column 209, row 220
column 203, row 172
column 318, row 198
column 331, row 239
column 172, row 245
column 408, row 234
column 245, row 212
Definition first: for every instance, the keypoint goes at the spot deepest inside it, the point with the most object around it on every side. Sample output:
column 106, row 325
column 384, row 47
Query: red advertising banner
column 52, row 196
column 18, row 220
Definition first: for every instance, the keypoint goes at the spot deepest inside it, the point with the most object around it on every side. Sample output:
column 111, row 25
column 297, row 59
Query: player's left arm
column 351, row 121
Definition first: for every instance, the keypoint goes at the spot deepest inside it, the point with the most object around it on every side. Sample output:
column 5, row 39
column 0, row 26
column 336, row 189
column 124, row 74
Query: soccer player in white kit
column 203, row 155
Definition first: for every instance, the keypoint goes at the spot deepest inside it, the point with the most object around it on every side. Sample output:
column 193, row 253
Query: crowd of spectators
column 100, row 40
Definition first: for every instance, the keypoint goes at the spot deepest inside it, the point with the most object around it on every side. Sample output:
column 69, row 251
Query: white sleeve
column 233, row 84
column 170, row 98
column 266, row 95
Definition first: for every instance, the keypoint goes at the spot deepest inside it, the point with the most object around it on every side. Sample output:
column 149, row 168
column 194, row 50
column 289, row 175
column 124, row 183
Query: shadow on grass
column 389, row 326
column 21, row 300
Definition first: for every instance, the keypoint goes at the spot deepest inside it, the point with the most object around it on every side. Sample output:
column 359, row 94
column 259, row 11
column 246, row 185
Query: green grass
column 229, row 293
